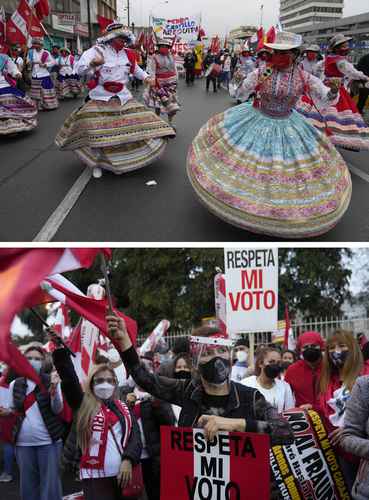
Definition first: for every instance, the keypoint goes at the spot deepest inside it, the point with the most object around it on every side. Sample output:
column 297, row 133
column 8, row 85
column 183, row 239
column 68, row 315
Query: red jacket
column 304, row 382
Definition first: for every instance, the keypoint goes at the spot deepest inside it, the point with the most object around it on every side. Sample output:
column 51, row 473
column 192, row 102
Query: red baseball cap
column 310, row 338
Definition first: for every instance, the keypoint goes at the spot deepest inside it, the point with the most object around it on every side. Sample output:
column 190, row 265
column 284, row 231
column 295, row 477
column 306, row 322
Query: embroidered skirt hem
column 279, row 177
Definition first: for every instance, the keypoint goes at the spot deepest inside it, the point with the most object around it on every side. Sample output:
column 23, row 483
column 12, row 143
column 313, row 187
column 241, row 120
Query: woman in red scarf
column 107, row 433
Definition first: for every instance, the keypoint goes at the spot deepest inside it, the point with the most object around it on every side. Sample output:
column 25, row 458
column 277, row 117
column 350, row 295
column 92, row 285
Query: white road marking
column 358, row 172
column 57, row 218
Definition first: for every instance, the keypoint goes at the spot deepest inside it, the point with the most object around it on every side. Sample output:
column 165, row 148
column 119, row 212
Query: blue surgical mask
column 36, row 364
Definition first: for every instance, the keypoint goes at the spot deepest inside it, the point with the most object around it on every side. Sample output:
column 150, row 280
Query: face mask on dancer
column 311, row 56
column 282, row 60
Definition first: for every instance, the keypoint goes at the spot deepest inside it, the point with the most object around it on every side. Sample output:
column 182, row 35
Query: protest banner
column 184, row 29
column 251, row 277
column 233, row 466
column 307, row 469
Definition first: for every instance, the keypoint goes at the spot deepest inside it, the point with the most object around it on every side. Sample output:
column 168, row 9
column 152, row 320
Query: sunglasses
column 102, row 380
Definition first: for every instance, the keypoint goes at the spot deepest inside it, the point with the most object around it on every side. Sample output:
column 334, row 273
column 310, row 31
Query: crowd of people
column 106, row 429
column 295, row 111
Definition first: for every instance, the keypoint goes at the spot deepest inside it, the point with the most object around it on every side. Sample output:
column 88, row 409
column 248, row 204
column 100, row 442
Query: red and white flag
column 153, row 339
column 21, row 272
column 220, row 301
column 42, row 8
column 60, row 289
column 23, row 23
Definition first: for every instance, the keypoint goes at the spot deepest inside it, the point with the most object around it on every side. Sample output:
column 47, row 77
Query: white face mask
column 104, row 391
column 241, row 356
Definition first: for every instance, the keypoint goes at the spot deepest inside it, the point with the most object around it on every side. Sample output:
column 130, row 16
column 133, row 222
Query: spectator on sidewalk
column 303, row 376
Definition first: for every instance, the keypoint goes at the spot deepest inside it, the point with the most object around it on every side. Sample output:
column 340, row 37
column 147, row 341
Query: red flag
column 103, row 22
column 271, row 34
column 21, row 271
column 215, row 45
column 2, row 26
column 201, row 34
column 287, row 326
column 41, row 7
column 23, row 22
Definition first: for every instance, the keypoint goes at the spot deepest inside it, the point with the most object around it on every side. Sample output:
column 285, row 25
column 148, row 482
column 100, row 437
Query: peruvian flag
column 233, row 465
column 220, row 301
column 60, row 323
column 60, row 289
column 140, row 40
column 21, row 272
column 155, row 336
column 215, row 45
column 22, row 24
column 42, row 8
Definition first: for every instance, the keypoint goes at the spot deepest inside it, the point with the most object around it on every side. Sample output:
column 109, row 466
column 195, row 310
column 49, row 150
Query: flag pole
column 104, row 270
column 58, row 340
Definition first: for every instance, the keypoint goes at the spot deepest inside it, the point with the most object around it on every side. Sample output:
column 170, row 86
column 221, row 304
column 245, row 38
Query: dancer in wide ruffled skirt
column 17, row 112
column 342, row 121
column 112, row 130
column 264, row 167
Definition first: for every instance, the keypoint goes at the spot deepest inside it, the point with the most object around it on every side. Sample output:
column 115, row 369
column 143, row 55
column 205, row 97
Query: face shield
column 211, row 357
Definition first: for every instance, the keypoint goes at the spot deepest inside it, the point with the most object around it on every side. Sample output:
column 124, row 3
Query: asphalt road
column 35, row 178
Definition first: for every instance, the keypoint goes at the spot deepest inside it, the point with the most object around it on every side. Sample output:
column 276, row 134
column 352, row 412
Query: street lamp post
column 89, row 23
column 128, row 13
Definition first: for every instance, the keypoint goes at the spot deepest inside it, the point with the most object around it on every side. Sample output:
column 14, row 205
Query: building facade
column 356, row 27
column 298, row 13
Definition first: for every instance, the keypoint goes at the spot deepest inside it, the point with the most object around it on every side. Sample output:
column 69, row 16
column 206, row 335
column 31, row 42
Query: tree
column 150, row 284
column 314, row 281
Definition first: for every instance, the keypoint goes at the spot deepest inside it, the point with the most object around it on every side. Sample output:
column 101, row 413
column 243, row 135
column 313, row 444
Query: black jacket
column 155, row 413
column 363, row 65
column 243, row 402
column 74, row 395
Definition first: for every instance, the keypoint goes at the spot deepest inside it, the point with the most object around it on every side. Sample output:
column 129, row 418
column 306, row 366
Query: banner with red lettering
column 307, row 469
column 234, row 466
column 251, row 277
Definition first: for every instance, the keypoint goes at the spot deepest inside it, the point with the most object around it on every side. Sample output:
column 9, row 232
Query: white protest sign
column 251, row 277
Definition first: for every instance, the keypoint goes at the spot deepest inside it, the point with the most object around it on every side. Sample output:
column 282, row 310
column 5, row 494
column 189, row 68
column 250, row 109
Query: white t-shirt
column 280, row 395
column 33, row 431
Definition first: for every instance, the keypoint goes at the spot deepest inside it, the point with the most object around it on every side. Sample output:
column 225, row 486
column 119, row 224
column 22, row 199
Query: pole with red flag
column 287, row 326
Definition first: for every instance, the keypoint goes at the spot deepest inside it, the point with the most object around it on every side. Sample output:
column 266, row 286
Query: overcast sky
column 216, row 18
